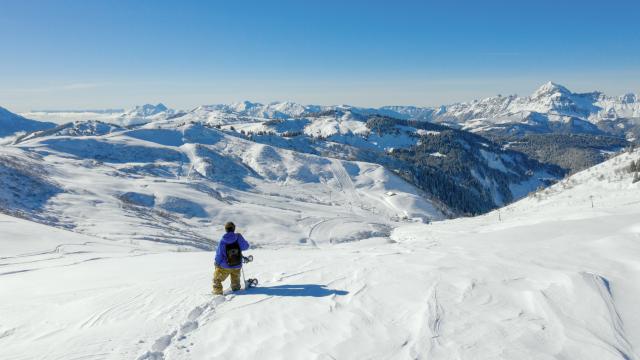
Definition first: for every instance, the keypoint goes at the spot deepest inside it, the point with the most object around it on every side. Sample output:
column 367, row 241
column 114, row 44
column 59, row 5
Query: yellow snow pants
column 220, row 274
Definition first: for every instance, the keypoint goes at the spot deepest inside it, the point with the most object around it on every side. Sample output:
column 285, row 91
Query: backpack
column 234, row 254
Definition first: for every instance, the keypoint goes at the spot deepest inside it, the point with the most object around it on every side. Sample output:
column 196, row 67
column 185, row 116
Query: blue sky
column 97, row 54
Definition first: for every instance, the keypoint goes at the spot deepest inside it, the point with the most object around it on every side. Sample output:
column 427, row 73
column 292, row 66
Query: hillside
column 566, row 131
column 557, row 130
column 12, row 124
column 467, row 174
column 547, row 277
column 553, row 125
column 168, row 182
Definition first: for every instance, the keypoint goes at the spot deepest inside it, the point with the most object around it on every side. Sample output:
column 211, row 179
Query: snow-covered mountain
column 553, row 125
column 169, row 182
column 468, row 173
column 409, row 143
column 144, row 114
column 275, row 110
column 12, row 124
column 76, row 128
column 491, row 176
column 107, row 226
column 553, row 276
column 550, row 108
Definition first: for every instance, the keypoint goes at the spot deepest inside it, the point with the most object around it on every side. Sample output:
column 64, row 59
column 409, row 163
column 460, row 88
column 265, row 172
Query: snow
column 12, row 124
column 352, row 260
column 493, row 161
column 550, row 102
column 138, row 115
column 149, row 183
column 547, row 277
column 423, row 132
column 330, row 125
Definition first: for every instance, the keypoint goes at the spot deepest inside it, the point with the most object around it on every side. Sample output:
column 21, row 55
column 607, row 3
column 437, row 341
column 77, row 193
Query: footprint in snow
column 163, row 342
column 157, row 350
column 191, row 323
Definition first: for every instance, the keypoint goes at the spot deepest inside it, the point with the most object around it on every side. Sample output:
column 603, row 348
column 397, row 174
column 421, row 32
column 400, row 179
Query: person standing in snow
column 229, row 259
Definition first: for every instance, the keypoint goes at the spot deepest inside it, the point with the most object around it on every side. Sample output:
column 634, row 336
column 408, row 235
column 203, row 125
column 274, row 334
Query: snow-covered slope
column 346, row 132
column 475, row 174
column 497, row 176
column 76, row 128
column 168, row 183
column 555, row 275
column 12, row 124
column 549, row 277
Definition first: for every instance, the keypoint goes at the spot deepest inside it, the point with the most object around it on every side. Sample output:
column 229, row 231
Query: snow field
column 548, row 277
column 560, row 281
column 456, row 289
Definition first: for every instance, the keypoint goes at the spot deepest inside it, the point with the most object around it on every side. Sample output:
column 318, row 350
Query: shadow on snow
column 311, row 290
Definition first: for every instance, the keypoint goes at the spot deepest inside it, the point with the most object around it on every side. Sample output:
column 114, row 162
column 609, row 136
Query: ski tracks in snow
column 346, row 185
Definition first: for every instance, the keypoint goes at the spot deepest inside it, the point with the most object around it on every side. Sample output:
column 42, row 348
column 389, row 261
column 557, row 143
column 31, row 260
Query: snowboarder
column 229, row 259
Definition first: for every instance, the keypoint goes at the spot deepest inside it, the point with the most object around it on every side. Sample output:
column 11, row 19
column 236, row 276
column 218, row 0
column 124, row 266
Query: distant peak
column 243, row 105
column 6, row 113
column 629, row 98
column 550, row 88
column 148, row 109
column 159, row 106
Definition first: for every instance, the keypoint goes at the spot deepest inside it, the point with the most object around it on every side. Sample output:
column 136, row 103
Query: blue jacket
column 221, row 254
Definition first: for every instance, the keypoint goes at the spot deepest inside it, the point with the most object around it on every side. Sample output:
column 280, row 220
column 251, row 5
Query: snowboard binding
column 249, row 283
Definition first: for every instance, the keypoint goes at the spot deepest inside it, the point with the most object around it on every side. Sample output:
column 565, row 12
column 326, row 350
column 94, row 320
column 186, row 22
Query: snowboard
column 250, row 282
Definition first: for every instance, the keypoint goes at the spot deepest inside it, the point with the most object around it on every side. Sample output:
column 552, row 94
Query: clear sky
column 97, row 54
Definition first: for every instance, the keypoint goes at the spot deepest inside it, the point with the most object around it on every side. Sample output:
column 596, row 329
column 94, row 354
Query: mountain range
column 468, row 158
column 552, row 108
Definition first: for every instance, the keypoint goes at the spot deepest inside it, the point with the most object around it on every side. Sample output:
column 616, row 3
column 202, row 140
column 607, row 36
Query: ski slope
column 550, row 277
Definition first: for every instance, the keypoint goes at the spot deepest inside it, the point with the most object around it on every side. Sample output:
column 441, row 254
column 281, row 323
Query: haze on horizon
column 99, row 54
